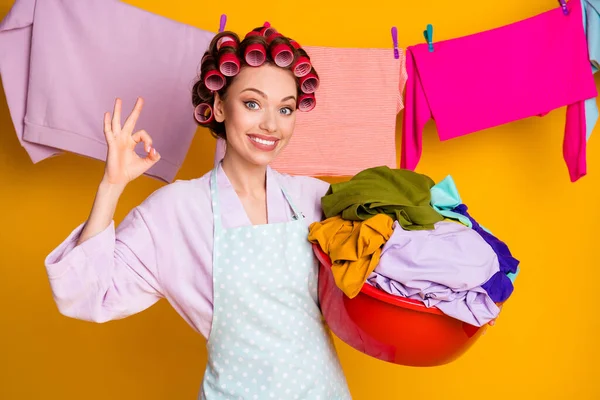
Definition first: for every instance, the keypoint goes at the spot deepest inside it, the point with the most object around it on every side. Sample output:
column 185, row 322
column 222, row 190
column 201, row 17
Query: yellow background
column 513, row 177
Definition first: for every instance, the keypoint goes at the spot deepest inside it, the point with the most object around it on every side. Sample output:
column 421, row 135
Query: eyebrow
column 264, row 95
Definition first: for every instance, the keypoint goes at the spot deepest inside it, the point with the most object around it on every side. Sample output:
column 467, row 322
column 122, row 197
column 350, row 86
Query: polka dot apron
column 268, row 339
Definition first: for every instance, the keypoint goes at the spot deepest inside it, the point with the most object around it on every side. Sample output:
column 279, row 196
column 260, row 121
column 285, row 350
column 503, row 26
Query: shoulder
column 178, row 196
column 303, row 184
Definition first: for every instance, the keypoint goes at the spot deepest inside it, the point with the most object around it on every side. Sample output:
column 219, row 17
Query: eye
column 252, row 105
column 287, row 111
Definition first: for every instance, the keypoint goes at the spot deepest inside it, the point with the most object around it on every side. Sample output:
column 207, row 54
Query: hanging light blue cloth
column 591, row 25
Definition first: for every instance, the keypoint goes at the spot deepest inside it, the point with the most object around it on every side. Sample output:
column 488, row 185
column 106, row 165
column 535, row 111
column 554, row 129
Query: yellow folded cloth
column 354, row 247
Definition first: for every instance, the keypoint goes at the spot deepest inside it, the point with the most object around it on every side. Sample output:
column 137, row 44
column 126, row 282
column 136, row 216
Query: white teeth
column 262, row 141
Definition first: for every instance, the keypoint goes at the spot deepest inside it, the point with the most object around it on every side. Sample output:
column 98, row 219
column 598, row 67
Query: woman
column 228, row 250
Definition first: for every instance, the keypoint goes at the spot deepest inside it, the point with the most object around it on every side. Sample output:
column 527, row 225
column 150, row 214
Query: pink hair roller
column 226, row 41
column 255, row 54
column 306, row 102
column 302, row 67
column 295, row 44
column 282, row 55
column 252, row 33
column 203, row 113
column 214, row 80
column 309, row 83
column 273, row 36
column 267, row 30
column 229, row 65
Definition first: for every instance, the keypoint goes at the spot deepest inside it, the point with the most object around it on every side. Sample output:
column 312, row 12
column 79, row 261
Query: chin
column 261, row 159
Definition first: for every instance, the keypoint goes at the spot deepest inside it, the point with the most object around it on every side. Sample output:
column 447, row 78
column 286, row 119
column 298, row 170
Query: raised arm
column 99, row 272
column 122, row 166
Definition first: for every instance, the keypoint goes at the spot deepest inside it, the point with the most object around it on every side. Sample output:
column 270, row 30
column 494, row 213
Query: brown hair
column 201, row 94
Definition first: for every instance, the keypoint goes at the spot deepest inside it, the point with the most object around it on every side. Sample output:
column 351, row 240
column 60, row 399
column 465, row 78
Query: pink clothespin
column 222, row 22
column 395, row 41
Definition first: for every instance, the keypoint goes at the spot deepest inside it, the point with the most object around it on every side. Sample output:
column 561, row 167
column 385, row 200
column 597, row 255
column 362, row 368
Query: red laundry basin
column 392, row 328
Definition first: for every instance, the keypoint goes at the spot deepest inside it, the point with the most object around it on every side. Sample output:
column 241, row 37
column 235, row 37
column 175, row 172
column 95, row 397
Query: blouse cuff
column 68, row 254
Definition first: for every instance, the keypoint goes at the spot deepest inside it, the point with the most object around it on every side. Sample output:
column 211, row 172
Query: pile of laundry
column 399, row 231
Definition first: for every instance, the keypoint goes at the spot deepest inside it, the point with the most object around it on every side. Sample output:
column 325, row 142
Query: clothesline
column 462, row 85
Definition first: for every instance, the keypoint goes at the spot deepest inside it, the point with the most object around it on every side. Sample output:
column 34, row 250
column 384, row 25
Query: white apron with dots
column 268, row 339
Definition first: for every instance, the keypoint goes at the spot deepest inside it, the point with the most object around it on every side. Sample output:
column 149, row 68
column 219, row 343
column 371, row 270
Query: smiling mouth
column 263, row 141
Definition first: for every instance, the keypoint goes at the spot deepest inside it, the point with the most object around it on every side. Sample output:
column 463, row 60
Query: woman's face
column 259, row 113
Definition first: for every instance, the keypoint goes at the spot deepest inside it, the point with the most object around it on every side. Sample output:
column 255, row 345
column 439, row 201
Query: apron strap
column 214, row 198
column 297, row 213
column 214, row 194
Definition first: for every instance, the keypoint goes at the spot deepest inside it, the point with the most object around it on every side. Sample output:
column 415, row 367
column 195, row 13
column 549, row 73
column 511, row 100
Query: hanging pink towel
column 15, row 48
column 63, row 63
column 353, row 126
column 524, row 69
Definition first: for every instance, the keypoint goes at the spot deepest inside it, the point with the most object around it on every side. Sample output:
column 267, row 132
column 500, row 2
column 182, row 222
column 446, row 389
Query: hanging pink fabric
column 524, row 69
column 353, row 126
column 63, row 63
column 15, row 47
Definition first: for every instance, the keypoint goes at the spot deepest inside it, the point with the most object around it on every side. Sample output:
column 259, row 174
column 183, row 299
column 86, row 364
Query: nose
column 269, row 121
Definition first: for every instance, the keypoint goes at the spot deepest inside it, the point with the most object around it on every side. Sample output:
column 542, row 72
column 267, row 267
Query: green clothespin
column 429, row 36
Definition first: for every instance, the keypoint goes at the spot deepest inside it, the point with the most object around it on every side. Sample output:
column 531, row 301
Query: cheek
column 239, row 121
column 287, row 126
